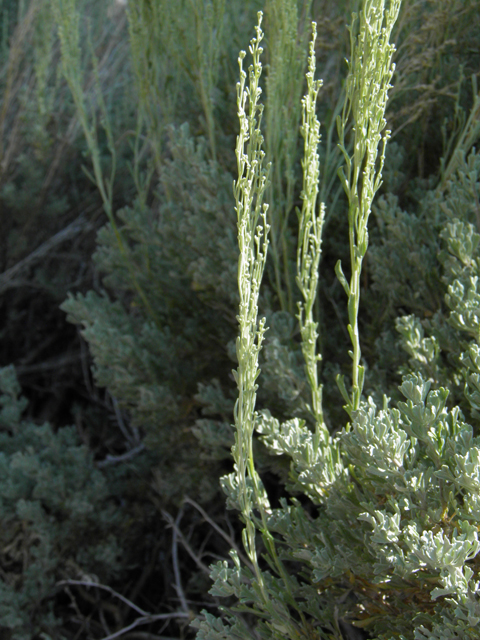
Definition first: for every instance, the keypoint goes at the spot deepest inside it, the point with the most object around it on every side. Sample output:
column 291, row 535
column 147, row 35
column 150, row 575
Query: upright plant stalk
column 253, row 230
column 367, row 85
column 42, row 64
column 209, row 30
column 68, row 20
column 13, row 70
column 287, row 51
column 145, row 21
column 310, row 235
column 468, row 137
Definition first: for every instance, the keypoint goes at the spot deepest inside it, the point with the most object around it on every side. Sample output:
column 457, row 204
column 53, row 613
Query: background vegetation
column 118, row 285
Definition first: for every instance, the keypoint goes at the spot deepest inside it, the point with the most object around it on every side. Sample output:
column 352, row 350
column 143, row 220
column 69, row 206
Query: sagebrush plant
column 171, row 252
column 58, row 518
column 159, row 255
column 48, row 211
column 162, row 309
column 392, row 544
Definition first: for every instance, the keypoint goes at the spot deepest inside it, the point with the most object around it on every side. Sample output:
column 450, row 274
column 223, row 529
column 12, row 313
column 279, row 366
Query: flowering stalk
column 253, row 242
column 370, row 72
column 310, row 235
column 253, row 231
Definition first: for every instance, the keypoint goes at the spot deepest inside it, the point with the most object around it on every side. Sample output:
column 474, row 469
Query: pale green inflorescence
column 370, row 72
column 253, row 242
column 316, row 460
column 310, row 235
column 244, row 486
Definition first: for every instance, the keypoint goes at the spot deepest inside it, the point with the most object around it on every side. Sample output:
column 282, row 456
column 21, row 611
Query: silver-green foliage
column 57, row 517
column 393, row 544
column 167, row 259
column 436, row 287
column 176, row 250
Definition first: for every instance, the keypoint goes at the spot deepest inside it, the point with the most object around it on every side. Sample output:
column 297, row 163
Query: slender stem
column 367, row 84
column 310, row 237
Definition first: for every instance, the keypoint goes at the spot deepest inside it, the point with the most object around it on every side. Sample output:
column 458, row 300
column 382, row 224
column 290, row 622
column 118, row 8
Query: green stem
column 367, row 84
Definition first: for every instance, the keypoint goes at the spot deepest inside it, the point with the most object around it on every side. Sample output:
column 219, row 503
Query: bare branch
column 147, row 620
column 87, row 583
column 220, row 531
column 9, row 278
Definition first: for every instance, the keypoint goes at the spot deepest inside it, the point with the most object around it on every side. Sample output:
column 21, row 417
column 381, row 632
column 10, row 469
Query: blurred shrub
column 145, row 94
column 58, row 518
